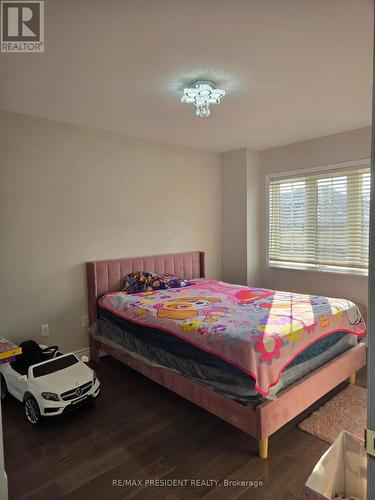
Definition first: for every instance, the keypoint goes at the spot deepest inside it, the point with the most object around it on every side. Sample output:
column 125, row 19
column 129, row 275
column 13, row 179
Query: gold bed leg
column 263, row 447
column 352, row 378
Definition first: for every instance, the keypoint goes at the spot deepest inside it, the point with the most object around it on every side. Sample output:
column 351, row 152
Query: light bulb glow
column 202, row 93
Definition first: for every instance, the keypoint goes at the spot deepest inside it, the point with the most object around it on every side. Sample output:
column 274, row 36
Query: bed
column 194, row 358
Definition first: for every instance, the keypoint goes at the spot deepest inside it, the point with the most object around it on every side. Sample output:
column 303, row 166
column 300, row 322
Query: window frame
column 293, row 266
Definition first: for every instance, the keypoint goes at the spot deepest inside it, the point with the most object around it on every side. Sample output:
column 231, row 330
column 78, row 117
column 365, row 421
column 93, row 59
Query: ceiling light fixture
column 202, row 93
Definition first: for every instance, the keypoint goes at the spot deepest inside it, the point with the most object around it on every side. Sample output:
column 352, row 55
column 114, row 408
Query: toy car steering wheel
column 50, row 350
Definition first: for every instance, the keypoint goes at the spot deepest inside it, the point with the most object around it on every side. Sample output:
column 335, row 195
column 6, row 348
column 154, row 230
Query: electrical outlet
column 85, row 321
column 45, row 330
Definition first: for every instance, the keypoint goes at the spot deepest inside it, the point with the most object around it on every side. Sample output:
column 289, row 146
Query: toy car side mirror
column 84, row 359
column 22, row 378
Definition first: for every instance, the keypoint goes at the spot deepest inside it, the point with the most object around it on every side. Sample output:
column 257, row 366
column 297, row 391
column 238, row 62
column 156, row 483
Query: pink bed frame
column 259, row 422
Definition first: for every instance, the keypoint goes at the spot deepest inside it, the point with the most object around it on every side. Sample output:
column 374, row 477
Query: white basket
column 341, row 470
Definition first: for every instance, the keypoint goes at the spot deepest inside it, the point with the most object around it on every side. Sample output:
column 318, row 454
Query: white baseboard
column 86, row 352
column 82, row 352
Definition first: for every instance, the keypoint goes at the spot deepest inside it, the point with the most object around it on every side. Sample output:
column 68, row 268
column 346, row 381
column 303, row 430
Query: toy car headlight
column 51, row 396
column 94, row 378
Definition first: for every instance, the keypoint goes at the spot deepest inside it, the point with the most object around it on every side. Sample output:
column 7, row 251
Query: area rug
column 347, row 410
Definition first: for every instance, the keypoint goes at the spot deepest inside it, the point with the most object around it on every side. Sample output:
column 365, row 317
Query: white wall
column 70, row 194
column 241, row 181
column 353, row 145
column 234, row 218
column 254, row 199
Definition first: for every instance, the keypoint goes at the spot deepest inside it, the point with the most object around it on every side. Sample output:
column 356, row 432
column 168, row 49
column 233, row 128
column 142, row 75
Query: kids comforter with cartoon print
column 257, row 330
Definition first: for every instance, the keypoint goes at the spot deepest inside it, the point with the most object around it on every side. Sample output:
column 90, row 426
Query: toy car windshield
column 55, row 365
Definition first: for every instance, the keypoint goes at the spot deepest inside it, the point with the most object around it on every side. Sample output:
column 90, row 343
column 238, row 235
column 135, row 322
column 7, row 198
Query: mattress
column 167, row 351
column 254, row 330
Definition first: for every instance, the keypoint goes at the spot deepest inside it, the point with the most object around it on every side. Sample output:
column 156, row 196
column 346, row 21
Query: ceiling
column 292, row 69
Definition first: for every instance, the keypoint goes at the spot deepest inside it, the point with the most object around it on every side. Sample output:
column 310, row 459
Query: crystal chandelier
column 202, row 93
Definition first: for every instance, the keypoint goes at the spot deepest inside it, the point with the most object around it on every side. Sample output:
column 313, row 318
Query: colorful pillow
column 171, row 281
column 138, row 282
column 142, row 281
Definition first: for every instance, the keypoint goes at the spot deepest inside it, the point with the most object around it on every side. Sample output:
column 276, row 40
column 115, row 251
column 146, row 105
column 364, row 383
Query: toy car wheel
column 3, row 388
column 32, row 411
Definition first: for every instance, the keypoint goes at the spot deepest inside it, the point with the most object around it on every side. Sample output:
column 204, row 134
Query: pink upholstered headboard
column 105, row 276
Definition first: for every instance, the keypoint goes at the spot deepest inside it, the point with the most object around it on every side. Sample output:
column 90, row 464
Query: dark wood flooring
column 138, row 430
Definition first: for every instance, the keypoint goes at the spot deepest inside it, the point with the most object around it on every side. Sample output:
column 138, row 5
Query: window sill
column 323, row 269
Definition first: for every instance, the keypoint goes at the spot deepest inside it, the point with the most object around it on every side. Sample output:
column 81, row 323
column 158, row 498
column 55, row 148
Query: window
column 320, row 220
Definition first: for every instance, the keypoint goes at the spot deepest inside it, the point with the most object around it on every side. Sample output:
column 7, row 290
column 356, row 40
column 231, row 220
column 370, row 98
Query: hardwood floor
column 138, row 430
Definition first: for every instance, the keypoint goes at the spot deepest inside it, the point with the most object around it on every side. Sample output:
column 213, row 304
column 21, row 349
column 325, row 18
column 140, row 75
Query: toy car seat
column 31, row 354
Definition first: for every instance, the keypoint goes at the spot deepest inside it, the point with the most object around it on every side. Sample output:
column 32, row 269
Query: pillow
column 142, row 281
column 138, row 282
column 171, row 281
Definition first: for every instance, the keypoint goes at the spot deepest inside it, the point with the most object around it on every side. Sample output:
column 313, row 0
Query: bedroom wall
column 240, row 216
column 234, row 230
column 70, row 194
column 353, row 145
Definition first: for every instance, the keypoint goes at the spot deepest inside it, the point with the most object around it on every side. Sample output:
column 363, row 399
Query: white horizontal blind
column 320, row 220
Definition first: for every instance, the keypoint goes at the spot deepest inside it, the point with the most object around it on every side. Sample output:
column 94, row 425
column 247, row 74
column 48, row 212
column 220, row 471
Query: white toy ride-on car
column 46, row 382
